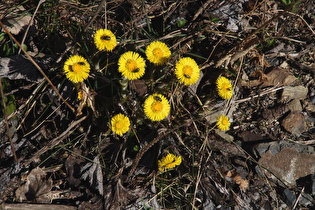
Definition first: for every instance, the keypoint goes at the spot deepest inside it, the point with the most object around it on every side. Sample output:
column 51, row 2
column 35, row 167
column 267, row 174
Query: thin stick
column 298, row 198
column 7, row 123
column 291, row 13
column 37, row 66
column 105, row 14
column 141, row 153
column 29, row 24
column 96, row 13
column 273, row 89
column 54, row 142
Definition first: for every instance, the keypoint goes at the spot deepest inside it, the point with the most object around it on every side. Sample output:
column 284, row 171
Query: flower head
column 156, row 107
column 187, row 71
column 223, row 123
column 169, row 162
column 224, row 87
column 131, row 65
column 120, row 124
column 76, row 68
column 158, row 53
column 80, row 95
column 104, row 39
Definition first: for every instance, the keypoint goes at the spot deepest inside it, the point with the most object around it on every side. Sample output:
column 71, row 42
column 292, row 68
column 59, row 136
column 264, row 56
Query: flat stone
column 296, row 92
column 295, row 105
column 288, row 164
column 295, row 123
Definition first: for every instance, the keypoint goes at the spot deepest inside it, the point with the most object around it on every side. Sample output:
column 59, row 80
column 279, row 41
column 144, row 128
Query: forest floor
column 58, row 150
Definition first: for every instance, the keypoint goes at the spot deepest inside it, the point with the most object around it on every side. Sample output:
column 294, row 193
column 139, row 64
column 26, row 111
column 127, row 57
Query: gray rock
column 288, row 164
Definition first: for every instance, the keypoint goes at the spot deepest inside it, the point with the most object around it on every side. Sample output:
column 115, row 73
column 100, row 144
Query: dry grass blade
column 38, row 67
column 7, row 122
column 141, row 153
column 54, row 142
column 29, row 25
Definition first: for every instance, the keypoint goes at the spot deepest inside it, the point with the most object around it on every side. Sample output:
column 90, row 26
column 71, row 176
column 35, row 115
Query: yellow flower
column 223, row 123
column 76, row 68
column 120, row 124
column 158, row 53
column 80, row 95
column 169, row 162
column 105, row 40
column 187, row 71
column 224, row 87
column 156, row 107
column 131, row 65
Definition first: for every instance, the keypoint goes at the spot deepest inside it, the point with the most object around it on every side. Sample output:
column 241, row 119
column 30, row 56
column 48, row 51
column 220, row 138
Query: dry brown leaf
column 119, row 197
column 139, row 86
column 87, row 99
column 243, row 183
column 92, row 172
column 35, row 188
column 17, row 20
column 276, row 77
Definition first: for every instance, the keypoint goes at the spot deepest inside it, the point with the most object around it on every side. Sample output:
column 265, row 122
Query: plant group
column 132, row 66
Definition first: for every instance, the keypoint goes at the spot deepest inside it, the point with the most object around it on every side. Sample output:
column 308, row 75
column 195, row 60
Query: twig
column 7, row 123
column 29, row 24
column 37, row 66
column 233, row 51
column 261, row 94
column 56, row 140
column 96, row 13
column 298, row 198
column 18, row 110
column 141, row 153
column 302, row 20
column 105, row 14
column 201, row 9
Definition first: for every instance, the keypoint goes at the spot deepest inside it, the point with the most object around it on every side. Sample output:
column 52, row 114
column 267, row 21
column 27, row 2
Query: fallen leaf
column 20, row 67
column 275, row 77
column 139, row 86
column 17, row 20
column 92, row 172
column 36, row 187
column 243, row 183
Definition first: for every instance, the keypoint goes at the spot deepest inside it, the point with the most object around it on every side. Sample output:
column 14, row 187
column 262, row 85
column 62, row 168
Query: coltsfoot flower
column 223, row 123
column 156, row 107
column 187, row 71
column 158, row 52
column 120, row 124
column 76, row 68
column 224, row 87
column 80, row 95
column 104, row 39
column 131, row 65
column 168, row 162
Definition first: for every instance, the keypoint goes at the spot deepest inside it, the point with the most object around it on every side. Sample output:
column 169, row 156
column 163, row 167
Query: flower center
column 156, row 106
column 119, row 125
column 187, row 70
column 225, row 122
column 131, row 65
column 157, row 52
column 76, row 68
column 226, row 86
